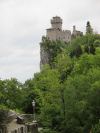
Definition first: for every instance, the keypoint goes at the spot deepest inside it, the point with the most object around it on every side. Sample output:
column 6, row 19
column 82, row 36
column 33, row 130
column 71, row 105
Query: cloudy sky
column 24, row 22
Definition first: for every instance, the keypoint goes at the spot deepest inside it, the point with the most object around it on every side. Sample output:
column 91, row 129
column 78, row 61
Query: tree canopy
column 68, row 96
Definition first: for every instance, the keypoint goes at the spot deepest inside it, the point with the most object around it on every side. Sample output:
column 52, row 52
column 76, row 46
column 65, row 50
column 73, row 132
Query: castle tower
column 56, row 22
column 53, row 33
column 74, row 30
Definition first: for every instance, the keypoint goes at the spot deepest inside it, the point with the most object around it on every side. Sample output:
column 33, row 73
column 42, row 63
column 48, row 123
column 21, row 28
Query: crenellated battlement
column 56, row 32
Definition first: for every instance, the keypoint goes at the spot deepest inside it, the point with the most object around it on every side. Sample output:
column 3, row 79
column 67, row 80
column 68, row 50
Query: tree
column 52, row 48
column 13, row 94
column 78, row 51
column 92, row 48
column 95, row 128
column 52, row 97
column 2, row 92
column 86, row 49
column 29, row 94
column 88, row 28
column 96, row 43
column 68, row 102
column 72, row 53
column 3, row 114
column 2, row 98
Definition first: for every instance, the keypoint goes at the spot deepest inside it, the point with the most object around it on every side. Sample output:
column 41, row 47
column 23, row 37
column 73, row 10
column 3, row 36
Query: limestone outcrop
column 11, row 115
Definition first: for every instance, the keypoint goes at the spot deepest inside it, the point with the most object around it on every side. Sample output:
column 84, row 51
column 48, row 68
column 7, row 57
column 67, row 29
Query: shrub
column 19, row 111
column 3, row 114
column 96, row 43
column 95, row 128
column 86, row 49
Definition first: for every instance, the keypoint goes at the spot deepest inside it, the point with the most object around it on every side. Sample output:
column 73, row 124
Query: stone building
column 56, row 32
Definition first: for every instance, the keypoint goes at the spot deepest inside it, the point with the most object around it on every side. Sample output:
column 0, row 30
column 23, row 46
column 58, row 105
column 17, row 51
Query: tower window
column 48, row 37
column 68, row 37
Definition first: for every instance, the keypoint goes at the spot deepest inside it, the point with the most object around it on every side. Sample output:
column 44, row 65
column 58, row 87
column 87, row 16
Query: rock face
column 11, row 115
column 20, row 120
column 11, row 112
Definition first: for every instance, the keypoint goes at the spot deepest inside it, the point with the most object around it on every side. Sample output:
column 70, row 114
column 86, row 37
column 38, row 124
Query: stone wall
column 29, row 127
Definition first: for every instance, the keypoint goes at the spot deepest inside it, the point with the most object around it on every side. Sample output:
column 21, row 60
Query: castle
column 55, row 32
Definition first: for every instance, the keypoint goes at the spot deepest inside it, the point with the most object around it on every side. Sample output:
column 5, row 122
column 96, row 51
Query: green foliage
column 64, row 65
column 86, row 49
column 68, row 96
column 49, row 114
column 2, row 92
column 92, row 48
column 88, row 28
column 3, row 114
column 19, row 111
column 13, row 94
column 29, row 95
column 95, row 94
column 79, row 103
column 76, row 41
column 48, row 131
column 85, row 39
column 96, row 43
column 76, row 52
column 96, row 36
column 2, row 98
column 95, row 128
column 76, row 114
column 97, row 50
column 52, row 48
column 86, row 62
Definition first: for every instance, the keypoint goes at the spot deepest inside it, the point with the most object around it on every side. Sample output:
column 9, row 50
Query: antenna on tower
column 58, row 11
column 52, row 13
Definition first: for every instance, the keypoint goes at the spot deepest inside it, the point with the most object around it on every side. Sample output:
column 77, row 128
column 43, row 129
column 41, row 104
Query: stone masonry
column 55, row 32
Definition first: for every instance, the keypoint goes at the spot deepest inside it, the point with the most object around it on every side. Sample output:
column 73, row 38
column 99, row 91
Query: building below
column 53, row 33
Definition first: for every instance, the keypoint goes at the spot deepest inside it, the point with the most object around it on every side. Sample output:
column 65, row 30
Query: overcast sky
column 24, row 22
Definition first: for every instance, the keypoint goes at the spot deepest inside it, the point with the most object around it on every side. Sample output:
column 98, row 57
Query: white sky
column 24, row 22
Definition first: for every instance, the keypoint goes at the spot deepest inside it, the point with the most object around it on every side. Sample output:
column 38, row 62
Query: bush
column 95, row 128
column 19, row 111
column 86, row 49
column 96, row 43
column 92, row 49
column 3, row 114
column 48, row 131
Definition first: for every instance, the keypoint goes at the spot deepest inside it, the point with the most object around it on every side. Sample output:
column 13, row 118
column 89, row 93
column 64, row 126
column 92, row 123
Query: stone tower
column 56, row 23
column 56, row 32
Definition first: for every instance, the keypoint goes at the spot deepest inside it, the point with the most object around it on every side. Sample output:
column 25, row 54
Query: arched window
column 48, row 37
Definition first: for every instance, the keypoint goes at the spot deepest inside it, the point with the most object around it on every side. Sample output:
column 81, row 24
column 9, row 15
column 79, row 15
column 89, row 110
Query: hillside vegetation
column 67, row 96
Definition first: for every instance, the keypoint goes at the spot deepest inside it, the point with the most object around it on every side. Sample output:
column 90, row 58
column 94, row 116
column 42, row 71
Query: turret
column 74, row 30
column 56, row 22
